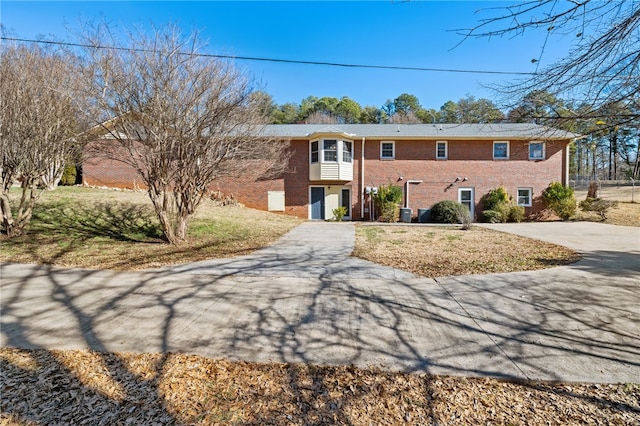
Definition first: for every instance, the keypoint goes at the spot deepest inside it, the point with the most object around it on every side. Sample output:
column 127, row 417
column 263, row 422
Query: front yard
column 114, row 229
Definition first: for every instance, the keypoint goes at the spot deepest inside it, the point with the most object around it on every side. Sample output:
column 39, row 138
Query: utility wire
column 277, row 60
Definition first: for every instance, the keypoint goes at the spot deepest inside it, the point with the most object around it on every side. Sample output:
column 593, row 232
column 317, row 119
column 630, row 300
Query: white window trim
column 544, row 151
column 319, row 151
column 446, row 150
column 393, row 149
column 472, row 209
column 339, row 151
column 494, row 150
column 530, row 190
column 342, row 151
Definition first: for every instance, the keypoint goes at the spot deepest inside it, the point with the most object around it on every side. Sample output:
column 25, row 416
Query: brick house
column 341, row 164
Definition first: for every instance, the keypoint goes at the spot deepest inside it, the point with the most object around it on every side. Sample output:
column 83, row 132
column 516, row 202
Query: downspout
column 362, row 182
column 566, row 163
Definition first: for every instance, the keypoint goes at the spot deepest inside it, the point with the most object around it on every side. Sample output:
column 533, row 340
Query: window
column 536, row 150
column 441, row 150
column 501, row 150
column 387, row 151
column 347, row 153
column 314, row 151
column 330, row 150
column 524, row 197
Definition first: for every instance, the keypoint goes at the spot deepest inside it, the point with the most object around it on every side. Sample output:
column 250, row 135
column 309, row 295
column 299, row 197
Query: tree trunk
column 7, row 216
column 15, row 225
column 173, row 225
column 182, row 223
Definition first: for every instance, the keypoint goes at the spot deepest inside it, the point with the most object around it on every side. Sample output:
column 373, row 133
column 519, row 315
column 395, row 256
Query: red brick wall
column 248, row 189
column 414, row 160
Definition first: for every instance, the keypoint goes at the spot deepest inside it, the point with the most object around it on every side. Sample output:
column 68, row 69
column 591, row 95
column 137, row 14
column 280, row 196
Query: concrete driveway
column 305, row 300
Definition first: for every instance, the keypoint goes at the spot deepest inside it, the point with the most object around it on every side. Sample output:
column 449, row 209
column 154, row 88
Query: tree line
column 404, row 109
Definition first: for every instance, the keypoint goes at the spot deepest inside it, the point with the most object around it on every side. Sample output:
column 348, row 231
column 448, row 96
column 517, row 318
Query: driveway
column 305, row 300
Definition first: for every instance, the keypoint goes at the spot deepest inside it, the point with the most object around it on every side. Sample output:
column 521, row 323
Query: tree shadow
column 117, row 221
column 308, row 303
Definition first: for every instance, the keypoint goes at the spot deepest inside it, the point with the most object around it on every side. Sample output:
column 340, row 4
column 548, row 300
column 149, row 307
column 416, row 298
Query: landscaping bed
column 84, row 387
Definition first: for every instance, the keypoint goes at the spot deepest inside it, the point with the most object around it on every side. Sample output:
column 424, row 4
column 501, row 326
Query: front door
column 345, row 201
column 465, row 197
column 317, row 202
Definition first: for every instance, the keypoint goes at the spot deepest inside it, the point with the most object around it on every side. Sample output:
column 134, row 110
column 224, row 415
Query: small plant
column 498, row 205
column 448, row 211
column 339, row 213
column 560, row 200
column 387, row 200
column 598, row 205
column 69, row 175
column 464, row 217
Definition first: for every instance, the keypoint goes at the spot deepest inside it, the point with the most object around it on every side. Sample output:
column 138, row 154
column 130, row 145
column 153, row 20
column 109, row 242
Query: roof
column 429, row 131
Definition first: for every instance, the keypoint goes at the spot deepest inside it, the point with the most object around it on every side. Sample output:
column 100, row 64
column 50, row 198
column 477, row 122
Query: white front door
column 465, row 197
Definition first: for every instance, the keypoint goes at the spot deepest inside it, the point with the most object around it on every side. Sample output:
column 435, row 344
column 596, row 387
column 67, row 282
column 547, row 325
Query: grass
column 443, row 251
column 111, row 229
column 626, row 213
column 107, row 229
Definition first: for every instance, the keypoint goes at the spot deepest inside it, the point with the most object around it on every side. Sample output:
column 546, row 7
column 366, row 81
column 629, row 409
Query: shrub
column 500, row 207
column 69, row 175
column 387, row 201
column 495, row 197
column 493, row 216
column 560, row 200
column 516, row 214
column 598, row 205
column 339, row 213
column 464, row 217
column 448, row 211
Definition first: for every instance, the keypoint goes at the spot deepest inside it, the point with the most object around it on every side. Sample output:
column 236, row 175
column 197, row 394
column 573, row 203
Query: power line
column 278, row 60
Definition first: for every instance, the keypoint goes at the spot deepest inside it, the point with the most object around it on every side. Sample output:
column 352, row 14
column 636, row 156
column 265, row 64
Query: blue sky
column 388, row 33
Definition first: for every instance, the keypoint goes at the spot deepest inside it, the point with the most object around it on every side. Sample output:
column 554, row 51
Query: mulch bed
column 84, row 387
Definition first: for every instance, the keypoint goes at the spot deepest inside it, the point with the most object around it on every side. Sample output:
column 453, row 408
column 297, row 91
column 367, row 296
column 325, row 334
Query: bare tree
column 38, row 122
column 179, row 118
column 602, row 68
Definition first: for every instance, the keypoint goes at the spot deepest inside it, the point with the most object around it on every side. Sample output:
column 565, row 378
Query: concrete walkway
column 305, row 300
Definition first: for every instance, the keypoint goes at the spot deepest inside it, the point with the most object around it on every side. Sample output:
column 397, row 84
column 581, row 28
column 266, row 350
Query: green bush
column 560, row 200
column 387, row 201
column 339, row 213
column 500, row 207
column 69, row 175
column 448, row 211
column 516, row 214
column 493, row 216
column 495, row 197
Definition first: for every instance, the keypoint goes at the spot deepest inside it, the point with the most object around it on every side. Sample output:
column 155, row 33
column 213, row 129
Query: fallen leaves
column 448, row 251
column 85, row 387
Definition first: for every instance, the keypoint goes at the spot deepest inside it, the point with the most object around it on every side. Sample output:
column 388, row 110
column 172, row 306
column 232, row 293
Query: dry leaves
column 445, row 251
column 84, row 387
